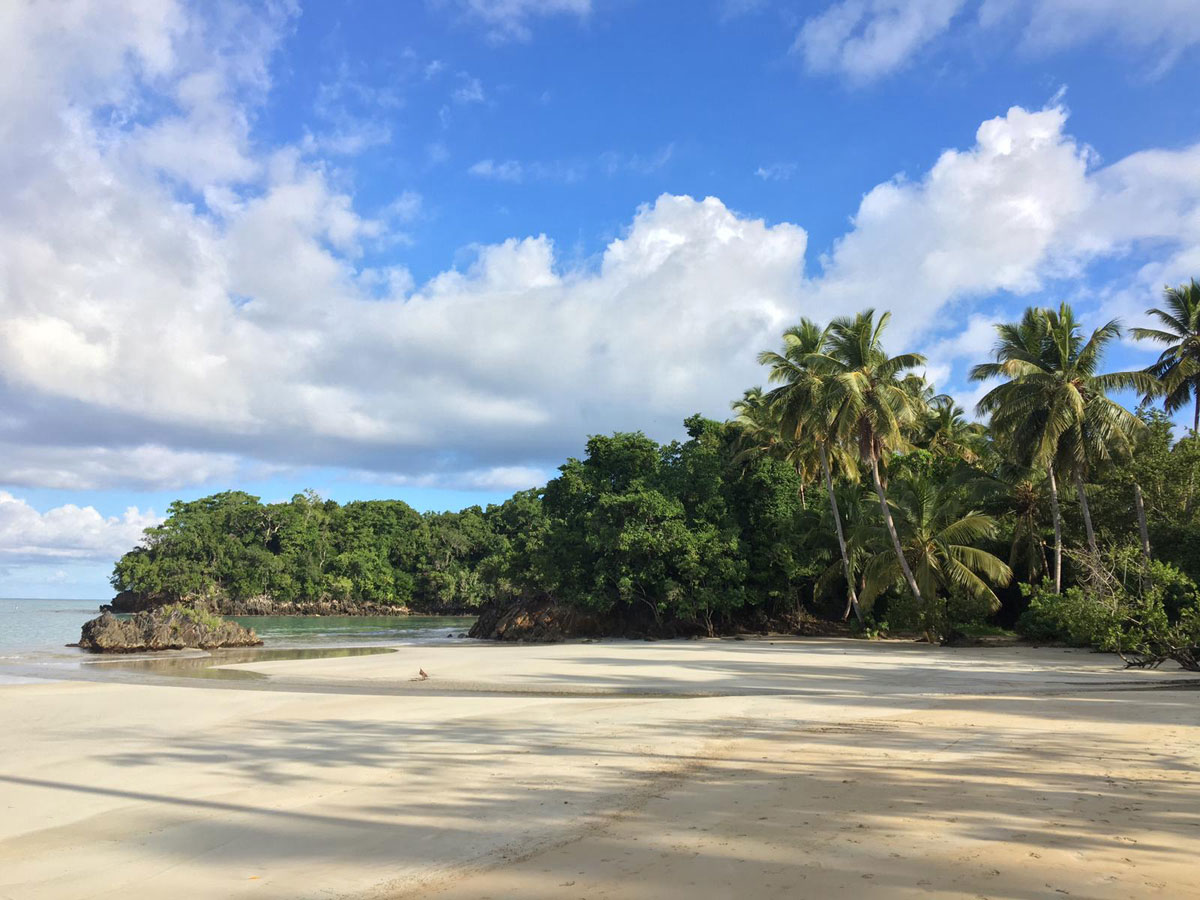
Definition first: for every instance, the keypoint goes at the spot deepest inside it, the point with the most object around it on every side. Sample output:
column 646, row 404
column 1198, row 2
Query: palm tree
column 945, row 430
column 798, row 404
column 937, row 539
column 1178, row 368
column 1053, row 412
column 866, row 403
column 761, row 434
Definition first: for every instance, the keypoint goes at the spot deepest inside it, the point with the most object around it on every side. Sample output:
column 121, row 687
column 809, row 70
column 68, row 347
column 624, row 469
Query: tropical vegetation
column 846, row 489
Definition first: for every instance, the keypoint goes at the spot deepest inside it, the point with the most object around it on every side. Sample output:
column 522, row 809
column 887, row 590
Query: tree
column 1053, row 411
column 944, row 430
column 937, row 536
column 1178, row 368
column 865, row 402
column 800, row 410
column 760, row 433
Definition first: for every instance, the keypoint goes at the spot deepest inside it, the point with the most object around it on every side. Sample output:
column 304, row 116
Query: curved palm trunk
column 1143, row 531
column 1087, row 514
column 1057, row 516
column 851, row 597
column 891, row 527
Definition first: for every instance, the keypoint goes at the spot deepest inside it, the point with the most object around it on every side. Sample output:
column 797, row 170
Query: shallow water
column 28, row 626
column 317, row 631
column 34, row 635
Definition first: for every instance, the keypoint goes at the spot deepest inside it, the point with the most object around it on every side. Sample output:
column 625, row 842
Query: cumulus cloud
column 864, row 40
column 66, row 532
column 152, row 323
column 1026, row 205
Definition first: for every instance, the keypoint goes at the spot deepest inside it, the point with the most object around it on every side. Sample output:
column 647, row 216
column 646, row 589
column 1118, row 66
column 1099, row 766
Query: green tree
column 938, row 538
column 798, row 408
column 1053, row 411
column 1177, row 370
column 866, row 403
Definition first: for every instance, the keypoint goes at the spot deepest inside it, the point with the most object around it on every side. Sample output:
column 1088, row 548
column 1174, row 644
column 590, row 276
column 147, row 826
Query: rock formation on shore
column 165, row 628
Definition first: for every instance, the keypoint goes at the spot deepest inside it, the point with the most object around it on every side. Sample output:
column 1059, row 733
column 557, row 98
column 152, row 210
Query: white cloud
column 66, row 532
column 497, row 478
column 252, row 326
column 1001, row 216
column 613, row 163
column 776, row 171
column 1166, row 27
column 469, row 90
column 1024, row 207
column 610, row 163
column 864, row 40
column 508, row 20
column 145, row 467
column 507, row 170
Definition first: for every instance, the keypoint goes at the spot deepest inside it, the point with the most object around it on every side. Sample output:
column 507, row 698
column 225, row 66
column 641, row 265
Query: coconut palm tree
column 799, row 406
column 944, row 430
column 938, row 538
column 864, row 536
column 866, row 404
column 1178, row 368
column 761, row 434
column 1053, row 411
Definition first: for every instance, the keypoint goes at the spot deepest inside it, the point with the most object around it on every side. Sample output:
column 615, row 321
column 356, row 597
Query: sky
column 423, row 249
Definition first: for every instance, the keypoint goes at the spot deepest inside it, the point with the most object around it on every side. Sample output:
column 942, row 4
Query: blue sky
column 422, row 250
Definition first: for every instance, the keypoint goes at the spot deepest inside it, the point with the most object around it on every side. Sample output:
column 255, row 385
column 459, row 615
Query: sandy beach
column 703, row 769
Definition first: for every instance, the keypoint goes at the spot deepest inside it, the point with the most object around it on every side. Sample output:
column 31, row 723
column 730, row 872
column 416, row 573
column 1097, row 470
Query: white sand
column 790, row 768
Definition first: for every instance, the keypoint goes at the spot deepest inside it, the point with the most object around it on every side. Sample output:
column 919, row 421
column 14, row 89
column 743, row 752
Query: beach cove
column 714, row 768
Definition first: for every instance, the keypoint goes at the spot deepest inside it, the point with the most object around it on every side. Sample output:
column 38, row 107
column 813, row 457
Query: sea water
column 38, row 631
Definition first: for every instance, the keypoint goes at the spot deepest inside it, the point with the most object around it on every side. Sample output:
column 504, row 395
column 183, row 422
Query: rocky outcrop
column 166, row 628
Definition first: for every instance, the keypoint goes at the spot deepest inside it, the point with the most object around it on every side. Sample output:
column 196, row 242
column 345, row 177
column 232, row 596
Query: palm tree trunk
column 851, row 597
column 1141, row 517
column 1196, row 414
column 1087, row 514
column 1056, row 514
column 891, row 527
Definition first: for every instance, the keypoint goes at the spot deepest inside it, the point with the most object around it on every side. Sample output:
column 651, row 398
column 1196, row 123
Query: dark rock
column 165, row 628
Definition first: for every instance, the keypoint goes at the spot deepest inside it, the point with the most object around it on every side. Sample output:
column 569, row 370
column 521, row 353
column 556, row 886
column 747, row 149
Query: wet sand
column 709, row 769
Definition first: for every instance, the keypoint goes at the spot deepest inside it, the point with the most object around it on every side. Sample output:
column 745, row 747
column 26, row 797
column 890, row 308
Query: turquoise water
column 30, row 626
column 45, row 627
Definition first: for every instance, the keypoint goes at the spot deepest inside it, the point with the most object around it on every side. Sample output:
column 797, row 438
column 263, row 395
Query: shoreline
column 517, row 768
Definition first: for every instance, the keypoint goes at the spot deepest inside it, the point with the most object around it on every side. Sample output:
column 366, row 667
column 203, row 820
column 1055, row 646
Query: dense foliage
column 683, row 529
column 849, row 487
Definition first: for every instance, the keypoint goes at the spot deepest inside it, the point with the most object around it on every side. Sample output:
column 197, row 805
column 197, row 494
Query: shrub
column 1147, row 619
column 1073, row 617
